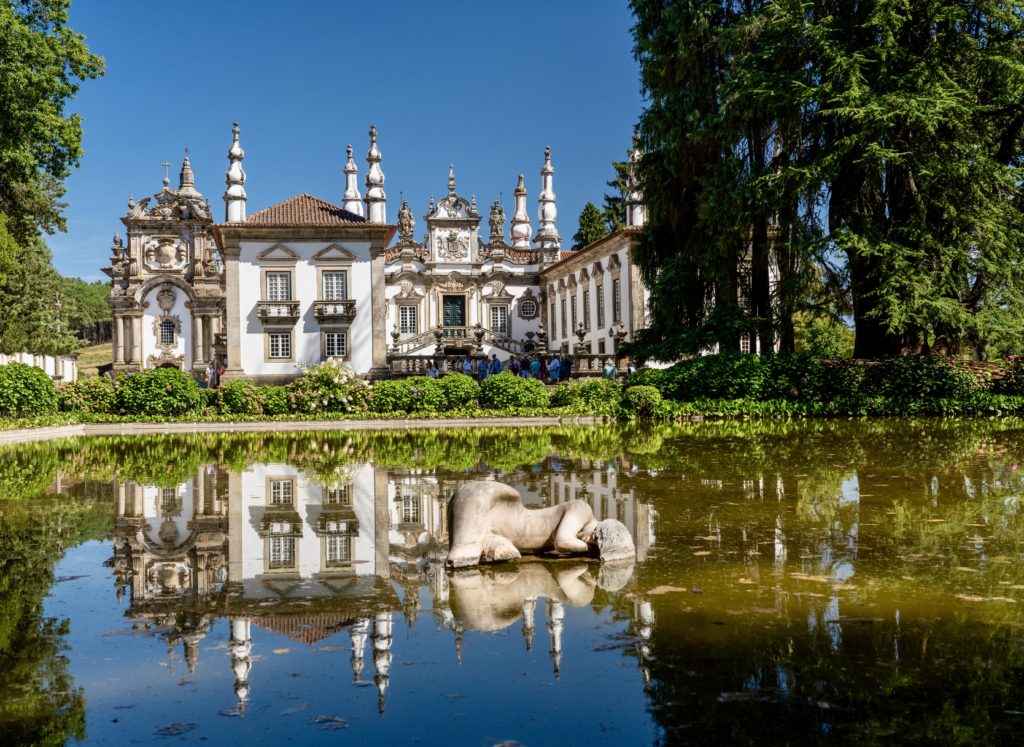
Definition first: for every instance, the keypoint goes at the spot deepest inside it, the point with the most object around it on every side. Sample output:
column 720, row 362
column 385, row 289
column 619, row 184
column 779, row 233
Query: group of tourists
column 549, row 369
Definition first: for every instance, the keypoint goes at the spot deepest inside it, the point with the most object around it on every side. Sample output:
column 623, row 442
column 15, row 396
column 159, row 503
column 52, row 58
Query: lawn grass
column 92, row 357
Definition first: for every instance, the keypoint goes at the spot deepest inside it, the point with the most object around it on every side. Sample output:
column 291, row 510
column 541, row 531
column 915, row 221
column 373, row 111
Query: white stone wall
column 59, row 368
column 307, row 501
column 306, row 344
column 152, row 312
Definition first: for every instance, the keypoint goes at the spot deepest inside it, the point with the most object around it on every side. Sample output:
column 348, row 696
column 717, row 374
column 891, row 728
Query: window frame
column 268, row 273
column 268, row 345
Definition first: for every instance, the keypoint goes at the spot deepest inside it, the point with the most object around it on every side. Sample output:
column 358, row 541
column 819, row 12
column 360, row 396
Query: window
column 561, row 303
column 572, row 310
column 616, row 300
column 600, row 306
column 527, row 308
column 279, row 286
column 339, row 550
column 586, row 309
column 169, row 502
column 280, row 344
column 340, row 495
column 335, row 344
column 499, row 319
column 167, row 331
column 281, row 492
column 410, row 509
column 335, row 285
column 745, row 344
column 408, row 322
column 282, row 552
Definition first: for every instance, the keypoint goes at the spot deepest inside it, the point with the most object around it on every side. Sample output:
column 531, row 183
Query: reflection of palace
column 274, row 547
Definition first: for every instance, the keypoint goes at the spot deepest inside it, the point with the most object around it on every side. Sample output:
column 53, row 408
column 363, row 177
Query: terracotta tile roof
column 521, row 256
column 303, row 210
column 565, row 254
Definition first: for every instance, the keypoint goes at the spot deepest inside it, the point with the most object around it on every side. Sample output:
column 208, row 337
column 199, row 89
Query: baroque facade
column 305, row 280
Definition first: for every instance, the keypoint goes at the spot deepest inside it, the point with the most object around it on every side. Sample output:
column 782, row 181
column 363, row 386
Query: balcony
column 334, row 312
column 277, row 312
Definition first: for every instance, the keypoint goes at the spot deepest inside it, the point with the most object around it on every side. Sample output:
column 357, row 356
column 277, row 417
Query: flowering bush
column 241, row 398
column 95, row 395
column 330, row 386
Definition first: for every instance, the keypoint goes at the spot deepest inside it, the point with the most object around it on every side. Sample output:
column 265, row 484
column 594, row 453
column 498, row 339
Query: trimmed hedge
column 507, row 390
column 158, row 391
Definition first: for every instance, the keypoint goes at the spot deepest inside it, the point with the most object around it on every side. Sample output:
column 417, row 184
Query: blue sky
column 486, row 85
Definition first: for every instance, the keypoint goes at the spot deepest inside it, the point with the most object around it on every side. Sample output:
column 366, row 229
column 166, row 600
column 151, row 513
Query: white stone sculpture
column 488, row 523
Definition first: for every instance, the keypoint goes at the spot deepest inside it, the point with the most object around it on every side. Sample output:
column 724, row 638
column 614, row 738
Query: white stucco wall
column 306, row 346
column 152, row 312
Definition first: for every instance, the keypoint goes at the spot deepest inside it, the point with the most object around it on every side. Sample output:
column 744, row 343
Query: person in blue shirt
column 495, row 364
column 534, row 368
column 565, row 368
column 467, row 366
column 553, row 369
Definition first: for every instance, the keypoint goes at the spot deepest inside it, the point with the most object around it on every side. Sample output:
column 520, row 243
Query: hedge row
column 780, row 385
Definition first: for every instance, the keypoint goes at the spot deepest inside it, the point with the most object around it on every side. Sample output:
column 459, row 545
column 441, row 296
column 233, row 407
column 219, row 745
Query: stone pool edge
column 47, row 433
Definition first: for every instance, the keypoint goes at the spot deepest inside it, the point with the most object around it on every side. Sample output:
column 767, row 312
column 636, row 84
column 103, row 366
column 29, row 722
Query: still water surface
column 795, row 583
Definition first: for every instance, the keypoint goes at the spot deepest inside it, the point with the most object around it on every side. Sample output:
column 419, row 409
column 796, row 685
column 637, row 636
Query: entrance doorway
column 453, row 311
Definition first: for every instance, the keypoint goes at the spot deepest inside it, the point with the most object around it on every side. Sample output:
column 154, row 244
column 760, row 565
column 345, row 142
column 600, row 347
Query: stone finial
column 451, row 178
column 352, row 201
column 187, row 180
column 131, row 201
column 548, row 240
column 376, row 200
column 520, row 229
column 636, row 211
column 234, row 195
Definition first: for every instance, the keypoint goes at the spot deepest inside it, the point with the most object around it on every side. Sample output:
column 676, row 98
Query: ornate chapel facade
column 270, row 292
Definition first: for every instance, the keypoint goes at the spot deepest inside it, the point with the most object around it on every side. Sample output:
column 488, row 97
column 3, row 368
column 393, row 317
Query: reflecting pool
column 812, row 582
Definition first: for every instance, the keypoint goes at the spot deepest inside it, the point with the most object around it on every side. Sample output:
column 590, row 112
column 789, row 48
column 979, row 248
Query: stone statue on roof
column 405, row 223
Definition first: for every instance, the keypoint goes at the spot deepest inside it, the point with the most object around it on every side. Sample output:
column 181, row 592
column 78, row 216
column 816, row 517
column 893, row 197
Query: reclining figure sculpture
column 488, row 523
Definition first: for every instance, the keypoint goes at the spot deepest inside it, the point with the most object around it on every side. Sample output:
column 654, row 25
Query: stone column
column 381, row 523
column 236, row 523
column 198, row 357
column 234, row 314
column 137, row 341
column 378, row 311
column 637, row 307
column 118, row 330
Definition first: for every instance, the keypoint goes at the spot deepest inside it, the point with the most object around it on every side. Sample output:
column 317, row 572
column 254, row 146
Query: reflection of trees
column 39, row 703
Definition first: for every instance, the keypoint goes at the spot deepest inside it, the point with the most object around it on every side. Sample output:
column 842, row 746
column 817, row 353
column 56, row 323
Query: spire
column 234, row 195
column 520, row 220
column 186, row 179
column 548, row 240
column 353, row 202
column 381, row 655
column 636, row 212
column 376, row 200
column 451, row 178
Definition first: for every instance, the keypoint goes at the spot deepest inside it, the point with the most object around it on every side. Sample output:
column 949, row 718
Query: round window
column 528, row 308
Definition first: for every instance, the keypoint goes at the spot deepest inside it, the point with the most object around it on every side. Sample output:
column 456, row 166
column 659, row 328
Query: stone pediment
column 454, row 208
column 278, row 253
column 334, row 253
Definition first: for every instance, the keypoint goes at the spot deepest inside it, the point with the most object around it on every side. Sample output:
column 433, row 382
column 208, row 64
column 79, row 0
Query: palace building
column 270, row 292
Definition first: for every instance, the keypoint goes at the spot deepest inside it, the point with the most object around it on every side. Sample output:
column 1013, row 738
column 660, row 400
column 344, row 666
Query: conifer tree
column 591, row 227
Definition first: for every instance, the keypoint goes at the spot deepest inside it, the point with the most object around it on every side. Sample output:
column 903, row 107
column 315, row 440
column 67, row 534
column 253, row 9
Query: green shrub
column 94, row 394
column 158, row 391
column 588, row 396
column 507, row 390
column 643, row 401
column 390, row 395
column 923, row 378
column 275, row 400
column 329, row 387
column 646, row 377
column 26, row 391
column 241, row 398
column 414, row 394
column 794, row 376
column 460, row 391
column 724, row 376
column 1012, row 381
